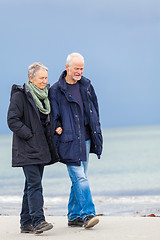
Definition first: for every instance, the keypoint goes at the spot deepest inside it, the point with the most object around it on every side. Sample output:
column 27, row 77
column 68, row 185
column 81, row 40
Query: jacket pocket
column 66, row 136
column 65, row 146
column 31, row 147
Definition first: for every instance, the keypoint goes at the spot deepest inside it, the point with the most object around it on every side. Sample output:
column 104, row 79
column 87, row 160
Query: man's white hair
column 34, row 68
column 71, row 56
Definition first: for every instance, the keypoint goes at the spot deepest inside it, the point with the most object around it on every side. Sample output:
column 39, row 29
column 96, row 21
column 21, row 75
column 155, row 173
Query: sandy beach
column 109, row 228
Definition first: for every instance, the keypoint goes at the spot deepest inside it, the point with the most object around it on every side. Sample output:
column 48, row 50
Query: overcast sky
column 120, row 41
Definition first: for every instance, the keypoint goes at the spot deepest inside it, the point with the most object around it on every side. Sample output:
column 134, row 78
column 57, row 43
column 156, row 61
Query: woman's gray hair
column 71, row 56
column 34, row 68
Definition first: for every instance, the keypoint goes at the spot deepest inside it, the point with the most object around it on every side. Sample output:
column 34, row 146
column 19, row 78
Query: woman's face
column 40, row 79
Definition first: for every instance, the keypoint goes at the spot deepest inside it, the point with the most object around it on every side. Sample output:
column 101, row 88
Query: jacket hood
column 16, row 88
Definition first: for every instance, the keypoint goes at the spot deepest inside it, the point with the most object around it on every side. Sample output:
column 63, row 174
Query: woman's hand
column 59, row 130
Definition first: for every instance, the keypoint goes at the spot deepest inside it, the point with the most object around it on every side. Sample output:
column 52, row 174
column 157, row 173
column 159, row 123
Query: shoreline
column 102, row 209
column 112, row 228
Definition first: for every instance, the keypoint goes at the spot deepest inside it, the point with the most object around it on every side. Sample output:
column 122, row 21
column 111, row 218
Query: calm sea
column 125, row 181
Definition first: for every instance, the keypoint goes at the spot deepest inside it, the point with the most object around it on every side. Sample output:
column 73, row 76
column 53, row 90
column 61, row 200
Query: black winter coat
column 71, row 143
column 31, row 145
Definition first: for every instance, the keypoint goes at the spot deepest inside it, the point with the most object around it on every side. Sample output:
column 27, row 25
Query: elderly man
column 33, row 143
column 77, row 132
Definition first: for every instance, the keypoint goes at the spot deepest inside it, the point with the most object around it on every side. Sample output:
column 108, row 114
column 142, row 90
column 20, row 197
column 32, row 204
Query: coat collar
column 84, row 82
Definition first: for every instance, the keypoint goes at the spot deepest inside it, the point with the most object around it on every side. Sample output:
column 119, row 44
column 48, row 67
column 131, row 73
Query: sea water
column 125, row 181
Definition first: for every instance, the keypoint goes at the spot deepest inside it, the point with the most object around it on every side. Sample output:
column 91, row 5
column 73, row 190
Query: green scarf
column 38, row 95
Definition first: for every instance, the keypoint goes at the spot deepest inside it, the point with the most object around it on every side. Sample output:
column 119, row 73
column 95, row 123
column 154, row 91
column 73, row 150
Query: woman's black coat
column 30, row 144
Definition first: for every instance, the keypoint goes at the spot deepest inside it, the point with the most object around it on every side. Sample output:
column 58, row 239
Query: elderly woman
column 33, row 143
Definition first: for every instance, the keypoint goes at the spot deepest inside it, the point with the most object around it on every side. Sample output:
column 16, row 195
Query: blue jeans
column 32, row 204
column 80, row 201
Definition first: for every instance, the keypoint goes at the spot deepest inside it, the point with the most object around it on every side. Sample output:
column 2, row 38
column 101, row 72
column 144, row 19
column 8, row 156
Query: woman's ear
column 30, row 79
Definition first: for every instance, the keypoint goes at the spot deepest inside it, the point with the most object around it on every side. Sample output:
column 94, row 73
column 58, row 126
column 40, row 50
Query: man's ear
column 66, row 66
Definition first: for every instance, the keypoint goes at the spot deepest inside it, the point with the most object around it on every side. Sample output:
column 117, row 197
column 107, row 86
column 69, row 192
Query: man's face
column 75, row 70
column 40, row 79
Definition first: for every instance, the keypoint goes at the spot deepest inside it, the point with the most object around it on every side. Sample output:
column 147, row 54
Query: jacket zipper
column 79, row 129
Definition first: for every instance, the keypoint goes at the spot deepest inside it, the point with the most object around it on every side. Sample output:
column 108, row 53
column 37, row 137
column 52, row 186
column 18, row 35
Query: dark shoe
column 78, row 222
column 28, row 229
column 43, row 226
column 90, row 221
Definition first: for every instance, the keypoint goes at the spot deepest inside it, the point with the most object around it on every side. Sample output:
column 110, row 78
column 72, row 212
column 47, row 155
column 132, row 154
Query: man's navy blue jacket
column 66, row 111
